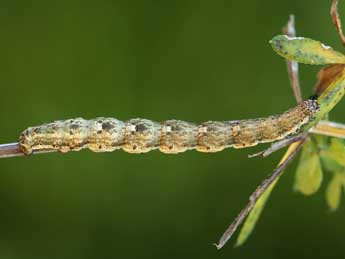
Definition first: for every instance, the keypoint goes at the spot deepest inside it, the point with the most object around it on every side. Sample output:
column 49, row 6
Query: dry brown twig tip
column 336, row 20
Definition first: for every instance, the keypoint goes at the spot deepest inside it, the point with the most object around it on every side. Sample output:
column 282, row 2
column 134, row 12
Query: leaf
column 320, row 141
column 309, row 176
column 329, row 164
column 305, row 50
column 255, row 213
column 331, row 91
column 336, row 151
column 333, row 191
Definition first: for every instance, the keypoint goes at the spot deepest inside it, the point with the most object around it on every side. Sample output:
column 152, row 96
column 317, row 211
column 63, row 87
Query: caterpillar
column 171, row 136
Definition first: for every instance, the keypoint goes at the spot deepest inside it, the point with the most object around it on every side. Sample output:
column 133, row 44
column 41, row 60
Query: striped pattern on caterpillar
column 172, row 136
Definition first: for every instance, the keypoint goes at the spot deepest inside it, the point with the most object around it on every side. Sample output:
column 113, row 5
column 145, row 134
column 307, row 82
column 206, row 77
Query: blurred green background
column 189, row 60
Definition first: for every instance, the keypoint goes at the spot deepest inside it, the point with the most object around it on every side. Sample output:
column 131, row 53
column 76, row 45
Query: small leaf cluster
column 321, row 154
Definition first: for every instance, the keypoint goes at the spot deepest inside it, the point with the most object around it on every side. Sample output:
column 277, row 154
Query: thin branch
column 292, row 66
column 329, row 128
column 336, row 20
column 10, row 150
column 279, row 145
column 13, row 149
column 257, row 194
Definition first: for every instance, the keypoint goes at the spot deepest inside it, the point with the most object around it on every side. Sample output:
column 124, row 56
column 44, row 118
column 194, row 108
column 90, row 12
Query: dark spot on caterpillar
column 99, row 132
column 74, row 126
column 134, row 147
column 107, row 126
column 202, row 134
column 100, row 147
column 175, row 128
column 208, row 148
column 71, row 121
column 140, row 127
column 100, row 121
column 170, row 147
column 37, row 130
column 71, row 132
column 26, row 133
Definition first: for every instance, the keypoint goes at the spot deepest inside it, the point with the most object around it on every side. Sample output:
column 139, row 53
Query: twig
column 292, row 66
column 13, row 149
column 10, row 150
column 257, row 194
column 336, row 20
column 278, row 145
column 329, row 128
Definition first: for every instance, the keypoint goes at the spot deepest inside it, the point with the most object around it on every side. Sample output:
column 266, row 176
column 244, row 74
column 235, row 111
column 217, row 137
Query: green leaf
column 309, row 176
column 333, row 191
column 254, row 215
column 336, row 151
column 305, row 50
column 320, row 141
column 329, row 164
